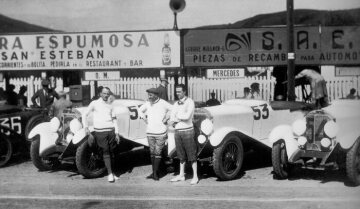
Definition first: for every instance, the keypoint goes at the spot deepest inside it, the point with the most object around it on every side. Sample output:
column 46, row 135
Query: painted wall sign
column 268, row 46
column 101, row 75
column 105, row 50
column 225, row 73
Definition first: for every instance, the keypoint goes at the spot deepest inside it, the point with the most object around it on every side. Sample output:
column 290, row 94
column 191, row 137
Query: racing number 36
column 261, row 111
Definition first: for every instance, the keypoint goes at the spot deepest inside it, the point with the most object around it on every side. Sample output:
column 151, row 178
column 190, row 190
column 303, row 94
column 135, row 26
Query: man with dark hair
column 182, row 120
column 11, row 95
column 154, row 113
column 351, row 95
column 212, row 101
column 46, row 95
column 106, row 131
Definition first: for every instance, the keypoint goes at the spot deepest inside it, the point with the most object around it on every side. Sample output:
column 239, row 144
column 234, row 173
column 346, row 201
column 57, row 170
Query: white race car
column 326, row 138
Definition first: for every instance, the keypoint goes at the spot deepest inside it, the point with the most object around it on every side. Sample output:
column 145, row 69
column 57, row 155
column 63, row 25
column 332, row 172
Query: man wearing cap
column 45, row 95
column 162, row 89
column 59, row 105
column 154, row 113
column 182, row 120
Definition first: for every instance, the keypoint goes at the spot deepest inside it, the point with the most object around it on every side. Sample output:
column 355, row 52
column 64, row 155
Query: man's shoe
column 151, row 176
column 178, row 178
column 111, row 178
column 194, row 181
column 116, row 178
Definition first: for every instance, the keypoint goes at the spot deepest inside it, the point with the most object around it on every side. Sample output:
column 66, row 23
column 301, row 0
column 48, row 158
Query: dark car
column 15, row 124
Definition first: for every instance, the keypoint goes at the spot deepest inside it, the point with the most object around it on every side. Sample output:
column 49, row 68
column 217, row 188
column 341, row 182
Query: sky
column 130, row 15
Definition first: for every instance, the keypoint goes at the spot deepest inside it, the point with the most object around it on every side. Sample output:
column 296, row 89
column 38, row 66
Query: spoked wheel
column 280, row 160
column 89, row 161
column 6, row 149
column 353, row 163
column 228, row 158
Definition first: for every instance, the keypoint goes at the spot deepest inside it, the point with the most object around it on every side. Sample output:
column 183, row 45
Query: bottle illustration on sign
column 166, row 51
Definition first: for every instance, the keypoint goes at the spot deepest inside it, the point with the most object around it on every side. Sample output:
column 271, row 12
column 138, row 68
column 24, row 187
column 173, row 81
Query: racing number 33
column 261, row 111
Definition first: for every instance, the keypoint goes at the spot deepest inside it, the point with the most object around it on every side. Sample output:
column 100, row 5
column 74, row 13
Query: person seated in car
column 212, row 101
column 351, row 95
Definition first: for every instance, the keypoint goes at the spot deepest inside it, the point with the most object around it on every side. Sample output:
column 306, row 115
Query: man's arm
column 33, row 98
column 188, row 113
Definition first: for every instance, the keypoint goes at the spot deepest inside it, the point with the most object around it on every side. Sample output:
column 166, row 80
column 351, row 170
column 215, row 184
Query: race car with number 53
column 223, row 134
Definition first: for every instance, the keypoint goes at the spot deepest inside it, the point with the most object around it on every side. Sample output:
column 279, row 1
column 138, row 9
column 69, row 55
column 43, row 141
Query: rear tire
column 228, row 158
column 353, row 163
column 43, row 164
column 89, row 161
column 6, row 149
column 280, row 160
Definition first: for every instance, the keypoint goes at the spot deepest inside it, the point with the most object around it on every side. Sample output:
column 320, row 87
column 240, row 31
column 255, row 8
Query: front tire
column 6, row 149
column 35, row 120
column 279, row 160
column 228, row 158
column 89, row 161
column 353, row 163
column 43, row 164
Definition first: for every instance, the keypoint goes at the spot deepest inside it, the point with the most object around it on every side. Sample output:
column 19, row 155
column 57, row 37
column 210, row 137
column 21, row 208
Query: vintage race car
column 57, row 141
column 223, row 133
column 326, row 138
column 15, row 124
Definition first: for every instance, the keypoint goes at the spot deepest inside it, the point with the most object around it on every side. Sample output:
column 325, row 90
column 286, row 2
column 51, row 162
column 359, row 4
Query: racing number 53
column 261, row 111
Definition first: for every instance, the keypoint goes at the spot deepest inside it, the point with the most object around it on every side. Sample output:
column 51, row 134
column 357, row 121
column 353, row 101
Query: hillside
column 301, row 17
column 8, row 25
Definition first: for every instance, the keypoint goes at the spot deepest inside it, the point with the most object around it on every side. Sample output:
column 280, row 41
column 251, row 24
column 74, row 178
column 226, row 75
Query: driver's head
column 105, row 93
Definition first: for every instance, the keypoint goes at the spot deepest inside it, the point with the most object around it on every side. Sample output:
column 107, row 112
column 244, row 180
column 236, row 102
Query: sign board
column 347, row 71
column 268, row 46
column 100, row 50
column 225, row 73
column 102, row 75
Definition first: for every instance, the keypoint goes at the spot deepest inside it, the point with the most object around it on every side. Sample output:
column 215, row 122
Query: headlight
column 302, row 140
column 54, row 124
column 207, row 127
column 325, row 142
column 299, row 127
column 201, row 139
column 75, row 125
column 331, row 128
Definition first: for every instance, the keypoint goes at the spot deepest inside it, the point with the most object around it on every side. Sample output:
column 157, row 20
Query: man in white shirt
column 154, row 112
column 105, row 129
column 182, row 120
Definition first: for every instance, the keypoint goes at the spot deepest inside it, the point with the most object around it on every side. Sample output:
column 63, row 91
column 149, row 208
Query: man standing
column 162, row 89
column 319, row 96
column 154, row 113
column 45, row 94
column 105, row 129
column 182, row 120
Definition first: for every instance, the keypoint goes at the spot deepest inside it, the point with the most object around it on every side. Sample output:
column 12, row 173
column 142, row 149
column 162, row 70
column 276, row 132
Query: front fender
column 47, row 137
column 284, row 132
column 218, row 136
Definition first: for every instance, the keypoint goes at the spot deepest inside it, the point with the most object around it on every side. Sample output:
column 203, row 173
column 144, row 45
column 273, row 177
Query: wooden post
column 291, row 54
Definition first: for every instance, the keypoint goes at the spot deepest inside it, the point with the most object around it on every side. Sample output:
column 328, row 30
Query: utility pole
column 290, row 53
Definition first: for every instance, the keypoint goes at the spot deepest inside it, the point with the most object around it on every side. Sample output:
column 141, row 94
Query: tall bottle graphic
column 166, row 51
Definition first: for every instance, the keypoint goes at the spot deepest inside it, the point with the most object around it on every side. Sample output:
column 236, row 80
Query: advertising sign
column 225, row 73
column 101, row 75
column 105, row 50
column 268, row 46
column 347, row 71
